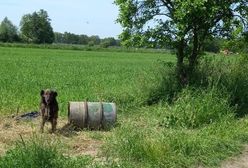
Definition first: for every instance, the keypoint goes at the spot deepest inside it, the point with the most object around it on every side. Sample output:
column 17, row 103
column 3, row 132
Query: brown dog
column 49, row 108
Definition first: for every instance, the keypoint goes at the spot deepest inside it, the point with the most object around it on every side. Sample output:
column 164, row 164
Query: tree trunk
column 181, row 68
column 195, row 52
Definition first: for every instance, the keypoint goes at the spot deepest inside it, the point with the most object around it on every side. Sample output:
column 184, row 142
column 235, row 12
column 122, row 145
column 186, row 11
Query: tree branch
column 169, row 6
column 242, row 19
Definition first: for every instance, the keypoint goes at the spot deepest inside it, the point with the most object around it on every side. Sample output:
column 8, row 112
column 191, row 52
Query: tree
column 212, row 44
column 8, row 31
column 71, row 38
column 83, row 39
column 94, row 40
column 36, row 28
column 58, row 37
column 182, row 24
column 236, row 41
column 107, row 42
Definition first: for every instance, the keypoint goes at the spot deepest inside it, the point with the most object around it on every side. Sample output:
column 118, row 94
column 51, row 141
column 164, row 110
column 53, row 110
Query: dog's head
column 48, row 96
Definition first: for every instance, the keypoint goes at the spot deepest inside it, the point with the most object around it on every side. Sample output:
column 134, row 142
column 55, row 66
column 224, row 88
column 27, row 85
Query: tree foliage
column 36, row 28
column 95, row 40
column 8, row 31
column 182, row 24
column 71, row 38
column 237, row 41
column 107, row 42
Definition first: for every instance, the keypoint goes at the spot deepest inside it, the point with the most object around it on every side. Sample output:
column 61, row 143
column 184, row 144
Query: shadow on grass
column 70, row 130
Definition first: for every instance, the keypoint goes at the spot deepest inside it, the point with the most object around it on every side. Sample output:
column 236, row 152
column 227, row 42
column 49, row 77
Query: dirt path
column 240, row 161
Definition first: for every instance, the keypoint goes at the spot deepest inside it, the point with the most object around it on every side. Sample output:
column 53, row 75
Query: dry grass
column 74, row 143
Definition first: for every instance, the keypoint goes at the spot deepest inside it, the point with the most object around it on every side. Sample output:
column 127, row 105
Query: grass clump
column 40, row 152
column 229, row 75
column 197, row 108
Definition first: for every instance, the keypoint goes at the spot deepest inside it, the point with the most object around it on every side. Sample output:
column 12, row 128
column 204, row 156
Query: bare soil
column 240, row 161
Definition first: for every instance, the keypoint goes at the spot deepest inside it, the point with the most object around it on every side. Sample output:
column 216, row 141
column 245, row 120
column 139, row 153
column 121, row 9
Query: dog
column 49, row 108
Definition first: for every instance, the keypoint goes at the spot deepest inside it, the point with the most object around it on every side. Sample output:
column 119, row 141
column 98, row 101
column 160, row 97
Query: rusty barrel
column 92, row 115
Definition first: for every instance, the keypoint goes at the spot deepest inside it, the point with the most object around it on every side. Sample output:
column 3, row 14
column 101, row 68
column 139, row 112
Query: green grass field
column 198, row 129
column 76, row 75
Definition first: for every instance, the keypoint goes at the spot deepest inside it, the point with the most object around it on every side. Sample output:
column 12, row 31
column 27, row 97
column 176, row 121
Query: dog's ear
column 55, row 93
column 41, row 92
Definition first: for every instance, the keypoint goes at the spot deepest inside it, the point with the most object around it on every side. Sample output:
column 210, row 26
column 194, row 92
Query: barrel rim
column 114, row 106
column 115, row 113
column 86, row 113
column 69, row 112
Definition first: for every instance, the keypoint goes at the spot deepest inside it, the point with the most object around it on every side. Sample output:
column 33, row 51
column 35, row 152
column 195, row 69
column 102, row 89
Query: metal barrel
column 92, row 115
column 109, row 114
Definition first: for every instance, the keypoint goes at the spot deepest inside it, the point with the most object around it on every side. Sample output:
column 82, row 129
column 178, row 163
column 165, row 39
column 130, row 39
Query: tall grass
column 40, row 152
column 166, row 87
column 228, row 75
column 199, row 130
column 198, row 108
column 198, row 127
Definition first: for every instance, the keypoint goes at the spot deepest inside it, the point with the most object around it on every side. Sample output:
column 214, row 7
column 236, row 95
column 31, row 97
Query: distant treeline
column 36, row 28
column 87, row 48
column 70, row 38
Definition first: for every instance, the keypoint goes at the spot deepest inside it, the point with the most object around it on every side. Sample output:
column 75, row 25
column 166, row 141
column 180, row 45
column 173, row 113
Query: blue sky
column 90, row 17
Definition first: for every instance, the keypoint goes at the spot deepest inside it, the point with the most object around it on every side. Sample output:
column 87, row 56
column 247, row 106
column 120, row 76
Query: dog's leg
column 54, row 124
column 42, row 125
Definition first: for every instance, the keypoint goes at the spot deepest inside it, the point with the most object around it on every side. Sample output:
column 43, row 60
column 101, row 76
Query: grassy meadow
column 76, row 75
column 202, row 124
